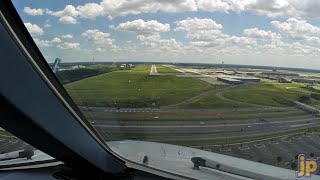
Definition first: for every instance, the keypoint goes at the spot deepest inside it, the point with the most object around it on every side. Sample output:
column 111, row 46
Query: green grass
column 253, row 97
column 270, row 94
column 210, row 101
column 134, row 88
column 163, row 69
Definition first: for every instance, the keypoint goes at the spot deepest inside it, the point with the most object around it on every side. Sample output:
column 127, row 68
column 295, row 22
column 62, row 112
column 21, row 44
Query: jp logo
column 306, row 167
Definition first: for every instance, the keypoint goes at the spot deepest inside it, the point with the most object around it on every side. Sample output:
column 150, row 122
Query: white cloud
column 271, row 8
column 67, row 36
column 143, row 27
column 200, row 29
column 155, row 41
column 90, row 10
column 56, row 40
column 68, row 45
column 101, row 40
column 69, row 10
column 297, row 28
column 46, row 43
column 214, row 5
column 68, row 20
column 34, row 29
column 47, row 25
column 124, row 7
column 262, row 35
column 33, row 12
column 42, row 43
column 67, row 15
column 115, row 8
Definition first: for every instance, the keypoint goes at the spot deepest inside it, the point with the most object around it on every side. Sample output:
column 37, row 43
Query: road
column 181, row 130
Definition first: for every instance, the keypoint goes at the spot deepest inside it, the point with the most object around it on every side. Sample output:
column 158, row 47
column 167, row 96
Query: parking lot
column 268, row 151
column 11, row 143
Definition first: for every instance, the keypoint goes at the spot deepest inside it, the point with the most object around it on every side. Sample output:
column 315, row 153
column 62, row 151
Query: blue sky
column 257, row 32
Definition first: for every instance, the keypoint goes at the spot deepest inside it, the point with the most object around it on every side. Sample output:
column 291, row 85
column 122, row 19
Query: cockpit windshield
column 238, row 78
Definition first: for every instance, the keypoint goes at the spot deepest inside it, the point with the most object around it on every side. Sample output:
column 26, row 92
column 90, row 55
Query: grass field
column 254, row 98
column 163, row 69
column 134, row 88
column 210, row 101
column 270, row 94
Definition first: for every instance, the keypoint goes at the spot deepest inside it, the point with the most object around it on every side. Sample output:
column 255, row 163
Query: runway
column 153, row 70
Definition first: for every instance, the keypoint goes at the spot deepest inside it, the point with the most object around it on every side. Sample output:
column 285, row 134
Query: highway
column 180, row 131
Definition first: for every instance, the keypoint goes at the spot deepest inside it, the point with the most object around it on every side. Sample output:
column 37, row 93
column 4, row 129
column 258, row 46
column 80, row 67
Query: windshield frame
column 12, row 23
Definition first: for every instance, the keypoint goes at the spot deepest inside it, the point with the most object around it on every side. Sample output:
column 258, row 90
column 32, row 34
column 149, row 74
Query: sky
column 253, row 32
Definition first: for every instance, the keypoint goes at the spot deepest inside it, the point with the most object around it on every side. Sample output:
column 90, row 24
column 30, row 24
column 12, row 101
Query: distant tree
column 279, row 159
column 260, row 161
column 293, row 165
column 241, row 145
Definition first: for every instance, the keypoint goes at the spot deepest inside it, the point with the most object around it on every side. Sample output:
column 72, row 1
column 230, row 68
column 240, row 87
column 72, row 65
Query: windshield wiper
column 209, row 163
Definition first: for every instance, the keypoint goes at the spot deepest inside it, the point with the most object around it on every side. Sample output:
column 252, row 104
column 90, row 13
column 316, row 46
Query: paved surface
column 153, row 70
column 181, row 125
column 11, row 143
column 286, row 147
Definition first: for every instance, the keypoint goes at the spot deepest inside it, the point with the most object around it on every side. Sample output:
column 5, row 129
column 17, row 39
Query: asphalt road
column 182, row 132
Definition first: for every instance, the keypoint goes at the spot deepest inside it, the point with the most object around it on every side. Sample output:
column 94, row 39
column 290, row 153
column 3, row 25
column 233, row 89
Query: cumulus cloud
column 155, row 41
column 34, row 29
column 42, row 43
column 124, row 7
column 68, row 45
column 200, row 29
column 90, row 10
column 143, row 27
column 47, row 25
column 101, row 40
column 69, row 10
column 262, row 35
column 47, row 43
column 56, row 40
column 299, row 30
column 33, row 12
column 270, row 8
column 68, row 20
column 67, row 36
column 115, row 8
